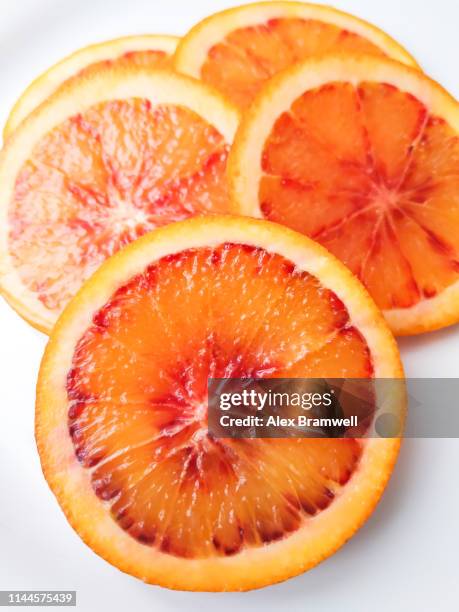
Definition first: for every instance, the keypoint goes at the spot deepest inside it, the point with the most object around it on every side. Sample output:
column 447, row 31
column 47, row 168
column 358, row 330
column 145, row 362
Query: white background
column 405, row 558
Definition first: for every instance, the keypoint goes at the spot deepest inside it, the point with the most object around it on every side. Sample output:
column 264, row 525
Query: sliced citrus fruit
column 112, row 155
column 238, row 49
column 362, row 154
column 121, row 418
column 148, row 50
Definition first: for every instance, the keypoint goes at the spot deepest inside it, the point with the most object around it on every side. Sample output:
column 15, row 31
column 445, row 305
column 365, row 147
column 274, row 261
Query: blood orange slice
column 148, row 50
column 237, row 50
column 362, row 154
column 121, row 419
column 112, row 155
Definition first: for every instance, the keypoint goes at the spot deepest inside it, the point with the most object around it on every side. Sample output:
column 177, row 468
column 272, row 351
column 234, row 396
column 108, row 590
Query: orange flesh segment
column 240, row 64
column 104, row 178
column 370, row 174
column 138, row 399
column 149, row 58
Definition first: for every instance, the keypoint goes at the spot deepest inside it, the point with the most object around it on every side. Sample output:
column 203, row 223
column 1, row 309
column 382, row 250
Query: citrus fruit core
column 369, row 173
column 240, row 64
column 138, row 399
column 101, row 179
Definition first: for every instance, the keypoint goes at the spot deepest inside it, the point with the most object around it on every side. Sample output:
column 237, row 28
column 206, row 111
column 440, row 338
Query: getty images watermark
column 333, row 407
column 267, row 402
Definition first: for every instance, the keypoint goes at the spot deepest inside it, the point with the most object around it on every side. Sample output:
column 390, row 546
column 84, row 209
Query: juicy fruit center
column 102, row 179
column 138, row 400
column 368, row 172
column 240, row 64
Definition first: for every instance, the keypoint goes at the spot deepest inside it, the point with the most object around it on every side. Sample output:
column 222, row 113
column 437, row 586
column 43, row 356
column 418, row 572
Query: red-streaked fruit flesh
column 372, row 175
column 148, row 58
column 247, row 57
column 103, row 178
column 137, row 394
